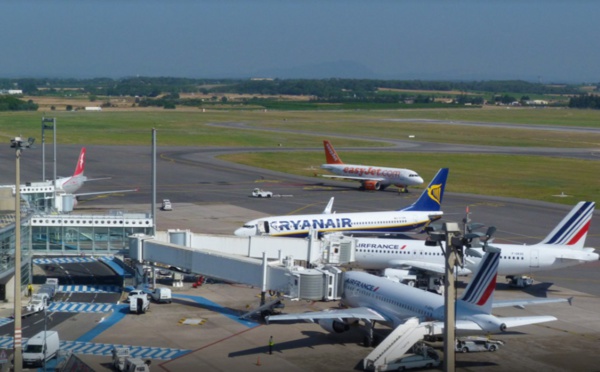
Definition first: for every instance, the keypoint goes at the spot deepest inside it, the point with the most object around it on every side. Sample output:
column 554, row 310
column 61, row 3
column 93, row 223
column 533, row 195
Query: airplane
column 419, row 214
column 370, row 177
column 374, row 299
column 70, row 185
column 563, row 247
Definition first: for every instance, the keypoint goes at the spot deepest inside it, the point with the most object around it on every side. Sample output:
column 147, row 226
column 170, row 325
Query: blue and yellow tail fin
column 431, row 198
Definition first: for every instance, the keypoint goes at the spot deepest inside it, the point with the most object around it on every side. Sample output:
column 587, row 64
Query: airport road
column 212, row 196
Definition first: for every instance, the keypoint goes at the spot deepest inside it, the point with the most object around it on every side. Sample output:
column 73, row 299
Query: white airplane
column 417, row 215
column 70, row 185
column 563, row 247
column 371, row 178
column 373, row 299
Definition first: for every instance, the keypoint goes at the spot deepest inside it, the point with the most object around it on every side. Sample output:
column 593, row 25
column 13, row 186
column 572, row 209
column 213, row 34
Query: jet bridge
column 276, row 275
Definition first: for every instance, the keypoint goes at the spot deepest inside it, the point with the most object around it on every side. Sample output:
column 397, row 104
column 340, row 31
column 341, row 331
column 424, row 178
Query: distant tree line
column 10, row 103
column 323, row 89
column 585, row 101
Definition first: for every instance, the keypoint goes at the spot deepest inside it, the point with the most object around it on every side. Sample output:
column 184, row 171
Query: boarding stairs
column 396, row 344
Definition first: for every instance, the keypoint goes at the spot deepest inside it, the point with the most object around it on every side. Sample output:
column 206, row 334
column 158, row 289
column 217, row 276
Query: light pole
column 51, row 125
column 18, row 144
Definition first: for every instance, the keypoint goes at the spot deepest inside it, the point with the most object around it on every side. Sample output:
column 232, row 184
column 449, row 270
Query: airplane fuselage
column 379, row 254
column 367, row 222
column 386, row 176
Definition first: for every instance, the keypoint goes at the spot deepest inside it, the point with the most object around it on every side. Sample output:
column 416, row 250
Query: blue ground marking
column 4, row 321
column 63, row 260
column 117, row 316
column 80, row 307
column 90, row 348
column 82, row 288
column 219, row 309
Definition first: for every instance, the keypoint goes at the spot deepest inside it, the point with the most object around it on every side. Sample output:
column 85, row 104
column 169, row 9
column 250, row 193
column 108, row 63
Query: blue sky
column 534, row 40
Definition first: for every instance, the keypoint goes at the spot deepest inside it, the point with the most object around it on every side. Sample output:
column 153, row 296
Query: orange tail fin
column 330, row 154
column 80, row 163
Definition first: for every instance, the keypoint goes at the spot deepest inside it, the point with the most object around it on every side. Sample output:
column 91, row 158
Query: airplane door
column 266, row 227
column 534, row 259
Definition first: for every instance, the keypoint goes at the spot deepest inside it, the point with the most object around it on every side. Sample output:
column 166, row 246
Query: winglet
column 573, row 229
column 329, row 206
column 80, row 163
column 431, row 198
column 330, row 155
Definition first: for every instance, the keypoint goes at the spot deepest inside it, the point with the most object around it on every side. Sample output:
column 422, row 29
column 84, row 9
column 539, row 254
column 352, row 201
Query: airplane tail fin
column 573, row 229
column 431, row 198
column 480, row 291
column 330, row 155
column 80, row 163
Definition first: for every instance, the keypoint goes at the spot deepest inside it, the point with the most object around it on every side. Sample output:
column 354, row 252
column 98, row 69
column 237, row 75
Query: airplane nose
column 242, row 231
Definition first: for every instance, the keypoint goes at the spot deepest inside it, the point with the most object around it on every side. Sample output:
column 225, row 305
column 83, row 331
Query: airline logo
column 380, row 246
column 574, row 226
column 372, row 171
column 332, row 156
column 435, row 193
column 317, row 224
column 362, row 285
column 484, row 282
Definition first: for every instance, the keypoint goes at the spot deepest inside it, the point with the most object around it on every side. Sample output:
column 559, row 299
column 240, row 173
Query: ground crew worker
column 30, row 289
column 271, row 345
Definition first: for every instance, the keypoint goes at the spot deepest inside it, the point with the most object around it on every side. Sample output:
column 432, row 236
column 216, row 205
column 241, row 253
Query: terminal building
column 48, row 227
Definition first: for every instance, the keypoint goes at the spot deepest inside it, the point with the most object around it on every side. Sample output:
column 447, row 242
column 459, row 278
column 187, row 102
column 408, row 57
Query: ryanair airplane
column 418, row 215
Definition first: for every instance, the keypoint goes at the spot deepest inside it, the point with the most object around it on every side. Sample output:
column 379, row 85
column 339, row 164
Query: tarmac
column 223, row 343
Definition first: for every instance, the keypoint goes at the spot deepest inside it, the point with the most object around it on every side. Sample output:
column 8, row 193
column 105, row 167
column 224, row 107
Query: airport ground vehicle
column 119, row 356
column 38, row 302
column 166, row 205
column 426, row 357
column 136, row 365
column 43, row 346
column 160, row 295
column 49, row 288
column 260, row 193
column 472, row 344
column 139, row 304
column 134, row 293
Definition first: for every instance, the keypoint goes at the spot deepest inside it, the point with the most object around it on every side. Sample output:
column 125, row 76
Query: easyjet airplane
column 419, row 214
column 370, row 177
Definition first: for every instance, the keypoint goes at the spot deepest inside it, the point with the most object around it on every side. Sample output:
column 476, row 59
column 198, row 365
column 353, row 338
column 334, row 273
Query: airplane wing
column 354, row 178
column 351, row 313
column 509, row 322
column 104, row 192
column 424, row 266
column 521, row 303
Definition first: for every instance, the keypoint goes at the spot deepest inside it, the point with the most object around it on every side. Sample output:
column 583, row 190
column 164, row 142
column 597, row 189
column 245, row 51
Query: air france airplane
column 370, row 177
column 417, row 215
column 563, row 247
column 375, row 299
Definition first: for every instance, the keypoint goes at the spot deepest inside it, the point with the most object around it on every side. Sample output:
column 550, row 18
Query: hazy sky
column 545, row 40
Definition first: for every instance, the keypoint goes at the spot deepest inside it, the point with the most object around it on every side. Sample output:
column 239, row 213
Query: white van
column 40, row 348
column 161, row 295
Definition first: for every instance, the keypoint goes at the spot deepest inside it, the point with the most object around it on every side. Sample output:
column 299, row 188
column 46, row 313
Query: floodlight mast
column 18, row 144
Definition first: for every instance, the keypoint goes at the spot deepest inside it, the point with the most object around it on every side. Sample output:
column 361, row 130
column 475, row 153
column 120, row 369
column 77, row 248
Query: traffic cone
column 258, row 361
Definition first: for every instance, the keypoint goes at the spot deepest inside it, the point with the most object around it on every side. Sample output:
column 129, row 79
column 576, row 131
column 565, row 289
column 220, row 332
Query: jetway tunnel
column 259, row 263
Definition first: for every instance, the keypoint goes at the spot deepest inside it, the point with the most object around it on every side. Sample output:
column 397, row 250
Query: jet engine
column 371, row 185
column 333, row 326
column 489, row 323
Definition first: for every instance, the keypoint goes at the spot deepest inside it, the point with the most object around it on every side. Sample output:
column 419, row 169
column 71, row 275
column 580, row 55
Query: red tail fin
column 330, row 154
column 80, row 163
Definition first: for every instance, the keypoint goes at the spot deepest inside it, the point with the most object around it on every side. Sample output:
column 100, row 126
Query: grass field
column 517, row 176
